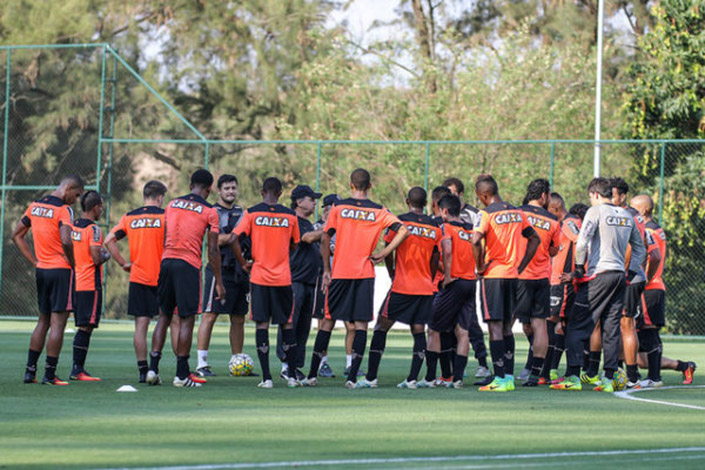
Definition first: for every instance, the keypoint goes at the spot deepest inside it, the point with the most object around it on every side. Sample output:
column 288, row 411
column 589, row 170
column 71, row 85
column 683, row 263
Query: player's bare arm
column 67, row 244
column 389, row 264
column 18, row 238
column 401, row 235
column 214, row 260
column 312, row 237
column 532, row 244
column 435, row 263
column 653, row 263
column 325, row 254
column 244, row 264
column 111, row 245
column 98, row 256
column 478, row 252
column 447, row 247
column 553, row 250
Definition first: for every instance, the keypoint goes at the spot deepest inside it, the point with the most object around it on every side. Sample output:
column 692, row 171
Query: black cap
column 330, row 199
column 301, row 191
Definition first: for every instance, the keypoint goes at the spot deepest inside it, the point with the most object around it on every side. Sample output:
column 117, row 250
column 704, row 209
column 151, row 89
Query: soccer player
column 50, row 219
column 454, row 304
column 274, row 231
column 410, row 298
column 144, row 229
column 90, row 255
column 562, row 293
column 606, row 233
column 305, row 263
column 469, row 215
column 357, row 224
column 498, row 262
column 188, row 219
column 533, row 286
column 235, row 279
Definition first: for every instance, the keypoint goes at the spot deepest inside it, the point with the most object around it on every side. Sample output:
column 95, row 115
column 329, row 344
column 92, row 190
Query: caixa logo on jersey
column 424, row 232
column 508, row 218
column 187, row 205
column 269, row 221
column 358, row 214
column 75, row 236
column 463, row 235
column 539, row 223
column 618, row 221
column 146, row 222
column 38, row 211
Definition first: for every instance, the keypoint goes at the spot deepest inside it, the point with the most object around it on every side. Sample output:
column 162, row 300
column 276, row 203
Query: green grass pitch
column 230, row 423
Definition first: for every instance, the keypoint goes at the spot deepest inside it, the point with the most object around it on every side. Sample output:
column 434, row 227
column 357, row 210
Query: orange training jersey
column 656, row 238
column 271, row 228
column 84, row 235
column 462, row 264
column 144, row 229
column 564, row 261
column 357, row 225
column 546, row 225
column 45, row 216
column 187, row 219
column 503, row 226
column 412, row 271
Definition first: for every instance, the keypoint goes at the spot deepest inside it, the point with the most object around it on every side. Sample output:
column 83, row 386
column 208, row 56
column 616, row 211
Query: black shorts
column 497, row 299
column 273, row 304
column 562, row 299
column 179, row 288
column 319, row 301
column 142, row 300
column 237, row 295
column 533, row 299
column 454, row 305
column 88, row 305
column 407, row 309
column 54, row 290
column 350, row 300
column 632, row 299
column 653, row 309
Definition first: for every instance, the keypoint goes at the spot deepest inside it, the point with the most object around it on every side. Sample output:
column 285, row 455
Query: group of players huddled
column 580, row 281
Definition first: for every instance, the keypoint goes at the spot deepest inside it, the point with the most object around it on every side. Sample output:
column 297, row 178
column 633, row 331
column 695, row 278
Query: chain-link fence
column 85, row 110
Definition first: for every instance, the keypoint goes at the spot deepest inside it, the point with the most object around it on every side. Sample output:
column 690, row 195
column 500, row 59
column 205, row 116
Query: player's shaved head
column 417, row 197
column 557, row 201
column 90, row 200
column 644, row 204
column 153, row 189
column 451, row 203
column 360, row 179
column 202, row 179
column 272, row 185
column 438, row 192
column 72, row 181
column 486, row 185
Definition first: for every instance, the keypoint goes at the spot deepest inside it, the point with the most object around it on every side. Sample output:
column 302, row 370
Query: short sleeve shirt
column 187, row 219
column 305, row 261
column 656, row 238
column 564, row 261
column 546, row 226
column 462, row 261
column 84, row 235
column 503, row 226
column 144, row 229
column 45, row 217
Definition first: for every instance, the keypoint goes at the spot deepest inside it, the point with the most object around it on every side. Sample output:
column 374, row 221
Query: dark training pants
column 304, row 296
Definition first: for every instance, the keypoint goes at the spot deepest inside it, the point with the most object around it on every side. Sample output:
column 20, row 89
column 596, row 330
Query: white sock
column 202, row 358
column 348, row 361
column 324, row 359
column 285, row 367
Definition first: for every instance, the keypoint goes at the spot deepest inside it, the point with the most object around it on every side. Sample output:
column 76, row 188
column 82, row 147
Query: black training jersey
column 305, row 260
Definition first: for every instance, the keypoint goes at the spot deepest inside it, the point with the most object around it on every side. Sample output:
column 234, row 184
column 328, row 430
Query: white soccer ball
column 241, row 365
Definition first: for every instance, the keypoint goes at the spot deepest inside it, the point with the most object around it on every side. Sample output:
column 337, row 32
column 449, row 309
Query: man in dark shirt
column 305, row 263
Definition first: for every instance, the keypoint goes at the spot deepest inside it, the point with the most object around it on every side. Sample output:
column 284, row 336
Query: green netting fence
column 85, row 109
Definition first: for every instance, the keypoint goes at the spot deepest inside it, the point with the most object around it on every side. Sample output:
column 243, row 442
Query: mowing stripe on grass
column 628, row 395
column 401, row 460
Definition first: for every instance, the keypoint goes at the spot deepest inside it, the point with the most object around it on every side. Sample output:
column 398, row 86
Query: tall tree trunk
column 424, row 36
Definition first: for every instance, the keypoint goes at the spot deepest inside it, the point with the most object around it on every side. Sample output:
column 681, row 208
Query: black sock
column 459, row 367
column 379, row 340
column 530, row 356
column 482, row 361
column 548, row 360
column 632, row 373
column 593, row 363
column 32, row 358
column 572, row 371
column 320, row 346
column 182, row 368
column 654, row 351
column 537, row 366
column 417, row 358
column 431, row 363
column 446, row 355
column 154, row 358
column 358, row 352
column 50, row 371
column 80, row 349
column 142, row 366
column 558, row 351
column 262, row 344
column 586, row 356
column 609, row 374
column 289, row 346
column 509, row 346
column 682, row 366
column 620, row 364
column 497, row 352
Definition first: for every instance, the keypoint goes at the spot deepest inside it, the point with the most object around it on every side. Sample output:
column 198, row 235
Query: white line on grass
column 402, row 460
column 628, row 395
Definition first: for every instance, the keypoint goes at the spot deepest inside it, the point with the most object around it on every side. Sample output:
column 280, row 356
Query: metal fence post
column 553, row 162
column 100, row 120
column 426, row 166
column 5, row 138
column 661, row 182
column 318, row 171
